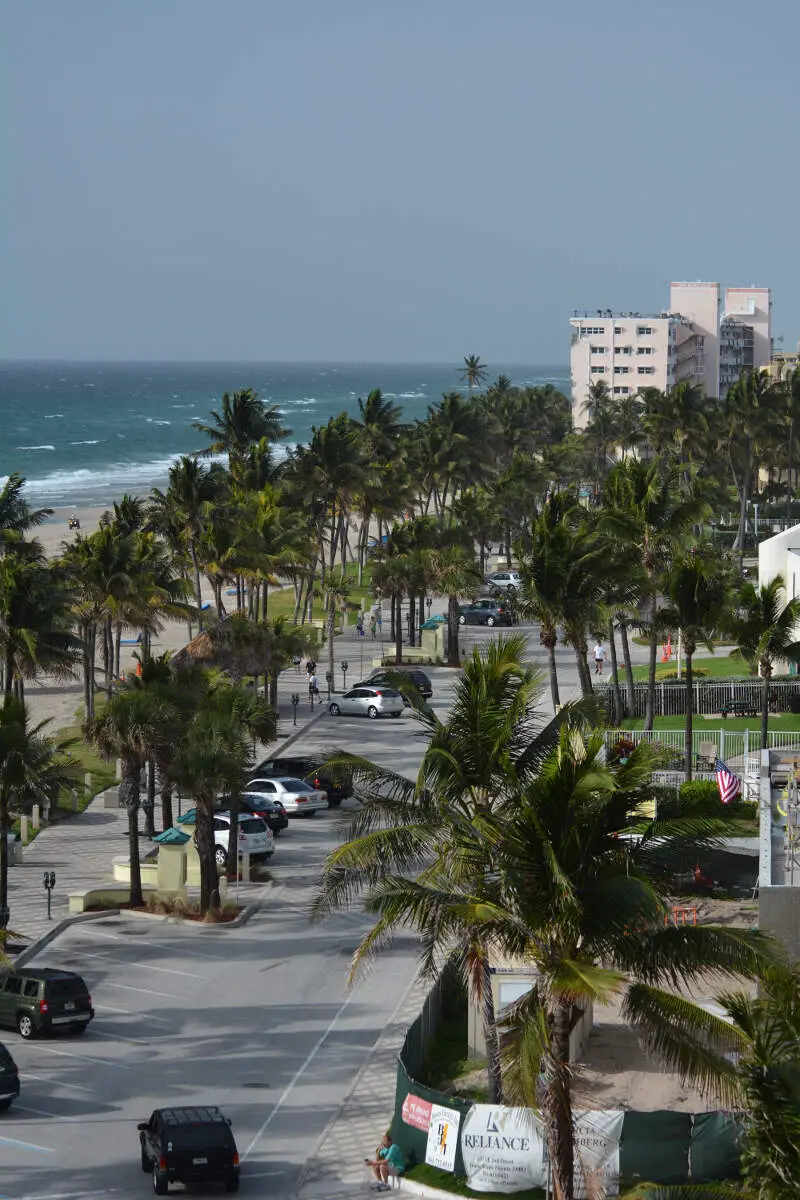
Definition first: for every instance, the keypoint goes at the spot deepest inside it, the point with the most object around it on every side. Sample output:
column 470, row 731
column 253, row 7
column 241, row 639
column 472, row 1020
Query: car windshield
column 296, row 785
column 251, row 825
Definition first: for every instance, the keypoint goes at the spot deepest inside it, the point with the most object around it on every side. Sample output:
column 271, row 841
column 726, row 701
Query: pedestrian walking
column 373, row 628
column 311, row 667
column 296, row 661
column 599, row 657
column 313, row 690
column 360, row 625
column 379, row 622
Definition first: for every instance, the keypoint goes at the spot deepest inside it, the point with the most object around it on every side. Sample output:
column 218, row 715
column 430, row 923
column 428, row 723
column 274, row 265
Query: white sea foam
column 36, row 447
column 410, row 395
column 53, row 416
column 90, row 442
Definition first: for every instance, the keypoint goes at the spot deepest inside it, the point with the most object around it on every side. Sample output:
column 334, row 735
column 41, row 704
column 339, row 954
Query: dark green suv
column 9, row 1078
column 189, row 1145
column 41, row 999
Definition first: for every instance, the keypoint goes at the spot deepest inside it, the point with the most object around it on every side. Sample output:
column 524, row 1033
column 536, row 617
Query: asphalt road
column 257, row 1020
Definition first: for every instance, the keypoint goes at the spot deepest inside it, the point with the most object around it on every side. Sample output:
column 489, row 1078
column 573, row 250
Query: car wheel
column 145, row 1163
column 372, row 712
column 334, row 710
column 490, row 621
column 160, row 1184
column 396, row 715
column 220, row 856
column 5, row 1103
column 232, row 1183
column 25, row 1026
column 462, row 620
column 334, row 803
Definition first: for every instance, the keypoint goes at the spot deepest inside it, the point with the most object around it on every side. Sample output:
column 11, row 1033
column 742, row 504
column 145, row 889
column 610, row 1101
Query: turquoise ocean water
column 83, row 434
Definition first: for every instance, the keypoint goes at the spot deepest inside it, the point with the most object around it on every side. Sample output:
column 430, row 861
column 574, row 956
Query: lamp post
column 295, row 702
column 329, row 681
column 429, row 602
column 49, row 881
column 345, row 669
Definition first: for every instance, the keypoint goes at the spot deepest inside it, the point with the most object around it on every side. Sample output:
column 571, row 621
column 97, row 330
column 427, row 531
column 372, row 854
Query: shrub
column 700, row 798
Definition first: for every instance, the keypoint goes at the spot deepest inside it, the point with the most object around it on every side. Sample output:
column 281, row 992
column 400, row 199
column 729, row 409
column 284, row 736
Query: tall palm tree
column 699, row 595
column 33, row 769
column 242, row 424
column 749, row 406
column 131, row 723
column 766, row 631
column 453, row 573
column 16, row 515
column 337, row 590
column 473, row 373
column 421, row 829
column 35, row 622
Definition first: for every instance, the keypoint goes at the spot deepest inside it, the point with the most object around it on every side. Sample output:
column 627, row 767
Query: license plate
column 199, row 1162
column 69, row 1006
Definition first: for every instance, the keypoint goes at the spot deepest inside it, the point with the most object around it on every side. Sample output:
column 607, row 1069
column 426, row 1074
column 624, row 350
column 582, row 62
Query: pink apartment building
column 687, row 342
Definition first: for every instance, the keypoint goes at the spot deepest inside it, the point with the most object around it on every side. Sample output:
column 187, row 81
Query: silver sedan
column 365, row 701
column 299, row 798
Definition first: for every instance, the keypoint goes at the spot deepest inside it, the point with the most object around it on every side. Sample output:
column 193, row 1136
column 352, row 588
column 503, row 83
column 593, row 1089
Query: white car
column 504, row 581
column 368, row 701
column 255, row 837
column 299, row 798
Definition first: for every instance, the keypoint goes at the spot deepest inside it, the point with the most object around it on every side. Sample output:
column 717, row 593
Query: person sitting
column 388, row 1161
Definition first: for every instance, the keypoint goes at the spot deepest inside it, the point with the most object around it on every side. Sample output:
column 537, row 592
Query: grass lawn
column 778, row 723
column 281, row 601
column 103, row 776
column 716, row 666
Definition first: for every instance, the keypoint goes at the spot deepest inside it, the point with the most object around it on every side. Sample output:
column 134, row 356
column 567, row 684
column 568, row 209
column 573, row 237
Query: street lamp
column 345, row 669
column 49, row 881
column 429, row 602
column 295, row 702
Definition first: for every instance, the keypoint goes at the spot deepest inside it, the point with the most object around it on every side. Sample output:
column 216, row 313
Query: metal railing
column 709, row 696
column 728, row 744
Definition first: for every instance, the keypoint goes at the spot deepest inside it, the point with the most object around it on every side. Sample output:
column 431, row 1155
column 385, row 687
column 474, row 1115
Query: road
column 257, row 1020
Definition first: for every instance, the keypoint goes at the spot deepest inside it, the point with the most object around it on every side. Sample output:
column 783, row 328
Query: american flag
column 729, row 784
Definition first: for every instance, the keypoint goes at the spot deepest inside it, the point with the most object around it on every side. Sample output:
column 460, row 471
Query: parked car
column 255, row 837
column 267, row 807
column 337, row 784
column 189, row 1145
column 9, row 1079
column 504, row 581
column 42, row 999
column 297, row 797
column 486, row 612
column 368, row 701
column 391, row 675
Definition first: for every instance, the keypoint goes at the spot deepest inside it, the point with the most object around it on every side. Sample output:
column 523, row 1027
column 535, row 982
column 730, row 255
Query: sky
column 370, row 180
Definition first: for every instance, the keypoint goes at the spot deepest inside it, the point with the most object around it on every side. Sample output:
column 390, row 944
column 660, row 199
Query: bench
column 740, row 708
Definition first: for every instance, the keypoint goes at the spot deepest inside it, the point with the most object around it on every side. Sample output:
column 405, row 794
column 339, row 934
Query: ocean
column 85, row 433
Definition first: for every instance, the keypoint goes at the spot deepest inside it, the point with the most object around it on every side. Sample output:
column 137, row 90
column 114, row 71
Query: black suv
column 266, row 807
column 42, row 999
column 486, row 612
column 302, row 766
column 394, row 675
column 189, row 1145
column 9, row 1079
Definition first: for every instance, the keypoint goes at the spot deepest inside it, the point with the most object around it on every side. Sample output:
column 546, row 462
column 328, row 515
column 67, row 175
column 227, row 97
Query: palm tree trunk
column 232, row 865
column 117, row 647
column 88, row 671
column 577, row 640
column 789, row 465
column 412, row 617
column 167, row 819
column 557, row 1108
column 205, row 852
column 616, row 691
column 329, row 627
column 453, row 629
column 198, row 591
column 491, row 1037
column 398, row 630
column 4, row 826
column 630, row 686
column 107, row 655
column 150, row 807
column 687, row 736
column 9, row 672
column 548, row 638
column 766, row 673
column 650, row 703
column 129, row 786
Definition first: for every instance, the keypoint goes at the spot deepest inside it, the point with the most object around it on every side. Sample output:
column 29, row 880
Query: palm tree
column 16, row 515
column 473, row 373
column 190, row 501
column 33, row 768
column 453, row 572
column 766, row 629
column 337, row 590
column 748, row 409
column 699, row 594
column 244, row 423
column 432, row 826
column 132, row 723
column 35, row 622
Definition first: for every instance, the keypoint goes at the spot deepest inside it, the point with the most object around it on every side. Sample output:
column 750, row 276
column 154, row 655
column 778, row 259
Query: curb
column 52, row 934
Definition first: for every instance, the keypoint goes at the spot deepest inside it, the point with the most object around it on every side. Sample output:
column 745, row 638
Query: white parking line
column 60, row 1083
column 40, row 1112
column 290, row 1086
column 26, row 1145
column 128, row 987
column 143, row 965
column 102, row 1062
column 163, row 945
column 126, row 1012
column 117, row 1037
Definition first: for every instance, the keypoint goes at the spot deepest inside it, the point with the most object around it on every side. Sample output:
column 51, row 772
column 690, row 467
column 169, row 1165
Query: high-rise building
column 685, row 343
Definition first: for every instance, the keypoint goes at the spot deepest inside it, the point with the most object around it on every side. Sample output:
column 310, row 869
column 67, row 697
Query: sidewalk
column 336, row 1167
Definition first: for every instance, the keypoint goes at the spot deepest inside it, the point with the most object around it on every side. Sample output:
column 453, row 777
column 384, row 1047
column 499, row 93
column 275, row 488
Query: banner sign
column 417, row 1112
column 502, row 1149
column 505, row 1150
column 443, row 1138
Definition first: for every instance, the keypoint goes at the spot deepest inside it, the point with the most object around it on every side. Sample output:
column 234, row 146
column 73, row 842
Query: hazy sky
column 387, row 179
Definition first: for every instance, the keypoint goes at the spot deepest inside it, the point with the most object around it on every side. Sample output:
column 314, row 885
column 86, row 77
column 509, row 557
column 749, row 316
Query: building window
column 647, row 370
column 624, row 350
column 621, row 370
column 621, row 391
column 597, row 349
column 598, row 370
column 644, row 330
column 644, row 349
column 597, row 330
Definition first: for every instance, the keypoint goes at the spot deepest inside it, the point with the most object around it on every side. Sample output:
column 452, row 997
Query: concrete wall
column 779, row 914
column 508, row 986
